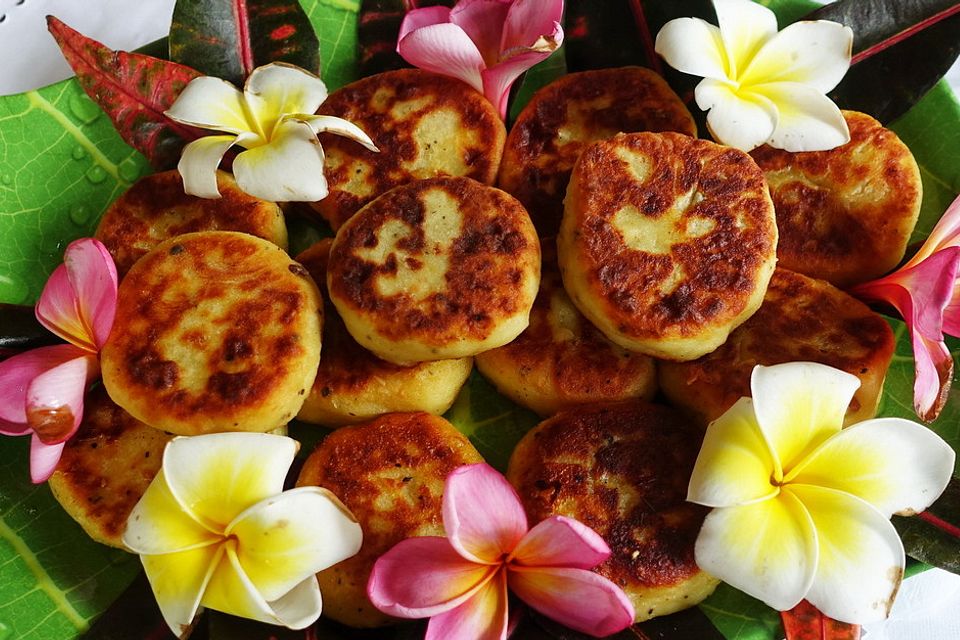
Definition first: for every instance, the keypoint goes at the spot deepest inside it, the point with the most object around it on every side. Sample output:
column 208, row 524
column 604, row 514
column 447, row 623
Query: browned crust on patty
column 155, row 209
column 472, row 149
column 390, row 473
column 801, row 319
column 845, row 215
column 571, row 112
column 106, row 467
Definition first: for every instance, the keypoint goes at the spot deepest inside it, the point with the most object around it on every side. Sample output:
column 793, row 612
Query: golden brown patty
column 155, row 208
column 801, row 319
column 561, row 360
column 215, row 331
column 571, row 112
column 353, row 385
column 390, row 473
column 845, row 215
column 106, row 467
column 440, row 268
column 425, row 125
column 667, row 242
column 622, row 469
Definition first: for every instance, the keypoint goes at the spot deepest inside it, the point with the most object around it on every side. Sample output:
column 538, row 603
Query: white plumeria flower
column 801, row 506
column 273, row 119
column 761, row 86
column 215, row 529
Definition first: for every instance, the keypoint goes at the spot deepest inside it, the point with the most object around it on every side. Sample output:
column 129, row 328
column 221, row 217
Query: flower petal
column 483, row 617
column 301, row 606
column 289, row 169
column 217, row 476
column 798, row 406
column 860, row 556
column 561, row 542
column 693, row 46
column 483, row 21
column 766, row 549
column 945, row 234
column 529, row 20
column 445, row 49
column 16, row 373
column 339, row 126
column 211, row 103
column 735, row 465
column 745, row 27
column 422, row 17
column 287, row 538
column 813, row 53
column 576, row 598
column 423, row 577
column 178, row 581
column 199, row 162
column 278, row 88
column 158, row 524
column 498, row 79
column 808, row 120
column 482, row 514
column 55, row 398
column 736, row 117
column 896, row 465
column 58, row 310
column 43, row 458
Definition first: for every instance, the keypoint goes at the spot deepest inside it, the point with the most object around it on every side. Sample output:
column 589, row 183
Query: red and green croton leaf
column 229, row 38
column 133, row 89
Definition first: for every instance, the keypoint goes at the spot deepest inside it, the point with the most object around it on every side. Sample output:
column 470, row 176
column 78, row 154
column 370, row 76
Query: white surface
column 927, row 608
column 29, row 54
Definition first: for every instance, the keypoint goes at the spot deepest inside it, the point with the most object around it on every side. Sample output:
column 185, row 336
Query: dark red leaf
column 133, row 89
column 805, row 622
column 377, row 31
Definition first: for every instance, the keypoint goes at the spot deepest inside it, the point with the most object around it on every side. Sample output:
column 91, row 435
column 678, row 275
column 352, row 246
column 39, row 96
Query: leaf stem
column 901, row 36
column 649, row 46
column 939, row 523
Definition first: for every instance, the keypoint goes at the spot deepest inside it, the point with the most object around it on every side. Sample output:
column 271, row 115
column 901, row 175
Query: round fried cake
column 568, row 114
column 622, row 469
column 390, row 473
column 155, row 209
column 424, row 124
column 436, row 269
column 106, row 467
column 561, row 360
column 667, row 242
column 845, row 215
column 353, row 385
column 215, row 331
column 801, row 319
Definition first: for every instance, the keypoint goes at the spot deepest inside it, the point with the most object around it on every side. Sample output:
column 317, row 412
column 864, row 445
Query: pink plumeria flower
column 460, row 582
column 485, row 43
column 41, row 391
column 926, row 292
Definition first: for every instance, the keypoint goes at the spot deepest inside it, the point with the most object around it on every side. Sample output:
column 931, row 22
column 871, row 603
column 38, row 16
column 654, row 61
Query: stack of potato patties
column 621, row 282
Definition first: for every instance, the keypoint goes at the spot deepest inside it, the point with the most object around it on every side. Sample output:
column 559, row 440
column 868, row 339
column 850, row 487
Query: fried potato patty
column 568, row 114
column 561, row 360
column 845, row 215
column 801, row 319
column 667, row 242
column 353, row 385
column 436, row 269
column 106, row 467
column 155, row 209
column 623, row 470
column 390, row 473
column 215, row 331
column 424, row 124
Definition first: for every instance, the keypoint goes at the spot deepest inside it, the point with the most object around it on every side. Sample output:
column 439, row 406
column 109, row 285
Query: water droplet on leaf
column 129, row 170
column 96, row 174
column 12, row 291
column 6, row 179
column 79, row 153
column 84, row 108
column 80, row 214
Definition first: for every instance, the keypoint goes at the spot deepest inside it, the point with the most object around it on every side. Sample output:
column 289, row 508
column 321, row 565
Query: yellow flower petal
column 158, row 524
column 199, row 162
column 211, row 103
column 216, row 477
column 178, row 581
column 745, row 27
column 277, row 89
column 814, row 53
column 734, row 466
column 896, row 465
column 799, row 405
column 694, row 46
column 290, row 168
column 766, row 549
column 288, row 538
column 737, row 117
column 808, row 120
column 860, row 556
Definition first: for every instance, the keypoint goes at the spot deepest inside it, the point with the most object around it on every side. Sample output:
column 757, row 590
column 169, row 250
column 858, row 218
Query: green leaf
column 335, row 22
column 535, row 78
column 740, row 617
column 931, row 544
column 228, row 39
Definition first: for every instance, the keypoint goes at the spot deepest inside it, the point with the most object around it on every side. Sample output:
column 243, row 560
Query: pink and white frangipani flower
column 485, row 43
column 41, row 391
column 926, row 292
column 460, row 582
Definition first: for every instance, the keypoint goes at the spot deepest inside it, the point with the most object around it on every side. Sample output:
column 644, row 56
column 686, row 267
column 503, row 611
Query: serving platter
column 62, row 163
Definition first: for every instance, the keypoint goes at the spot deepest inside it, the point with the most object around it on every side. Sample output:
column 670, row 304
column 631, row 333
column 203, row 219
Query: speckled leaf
column 229, row 38
column 133, row 89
